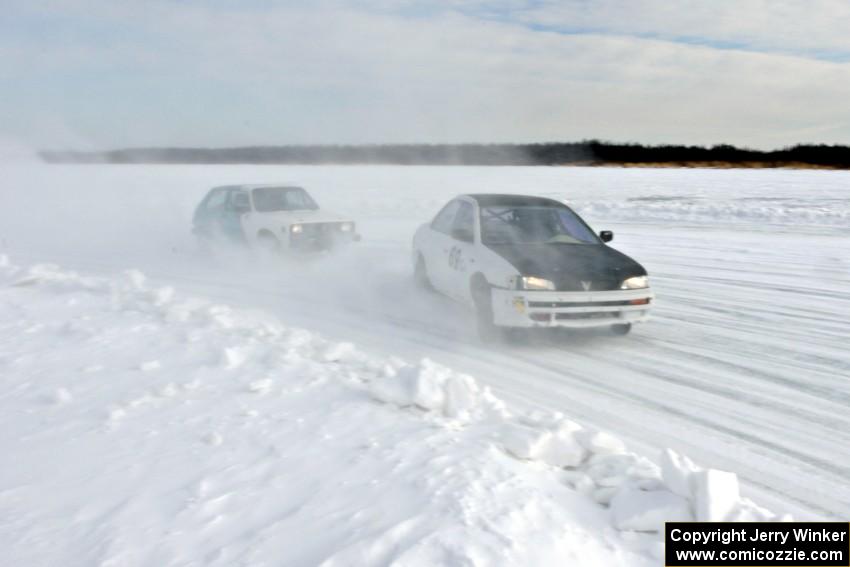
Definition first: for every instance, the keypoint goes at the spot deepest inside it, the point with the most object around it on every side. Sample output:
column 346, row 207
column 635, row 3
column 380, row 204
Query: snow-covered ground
column 200, row 426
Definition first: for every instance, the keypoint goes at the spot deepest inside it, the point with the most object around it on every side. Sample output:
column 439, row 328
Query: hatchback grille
column 593, row 315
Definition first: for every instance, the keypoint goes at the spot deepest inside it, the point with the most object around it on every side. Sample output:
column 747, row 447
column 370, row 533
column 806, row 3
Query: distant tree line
column 558, row 153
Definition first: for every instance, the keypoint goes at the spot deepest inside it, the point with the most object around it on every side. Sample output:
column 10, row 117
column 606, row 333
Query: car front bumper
column 319, row 237
column 520, row 308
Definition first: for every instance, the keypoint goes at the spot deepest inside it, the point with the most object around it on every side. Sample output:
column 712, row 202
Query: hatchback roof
column 248, row 186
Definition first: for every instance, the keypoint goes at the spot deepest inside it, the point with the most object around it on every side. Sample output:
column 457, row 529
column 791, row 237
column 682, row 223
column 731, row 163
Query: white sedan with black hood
column 529, row 262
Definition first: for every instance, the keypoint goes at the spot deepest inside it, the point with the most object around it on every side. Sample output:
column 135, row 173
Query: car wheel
column 482, row 297
column 420, row 274
column 268, row 244
column 621, row 329
column 514, row 335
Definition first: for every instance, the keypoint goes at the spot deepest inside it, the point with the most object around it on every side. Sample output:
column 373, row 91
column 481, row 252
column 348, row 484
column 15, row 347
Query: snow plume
column 192, row 432
column 12, row 151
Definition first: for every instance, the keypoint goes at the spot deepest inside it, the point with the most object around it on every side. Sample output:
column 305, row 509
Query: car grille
column 315, row 236
column 320, row 228
column 605, row 282
column 593, row 315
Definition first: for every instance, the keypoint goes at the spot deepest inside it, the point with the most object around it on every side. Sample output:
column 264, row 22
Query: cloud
column 812, row 28
column 199, row 74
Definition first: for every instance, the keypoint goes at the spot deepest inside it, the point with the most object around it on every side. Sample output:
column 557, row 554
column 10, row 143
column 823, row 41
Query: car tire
column 621, row 329
column 482, row 297
column 420, row 274
column 268, row 245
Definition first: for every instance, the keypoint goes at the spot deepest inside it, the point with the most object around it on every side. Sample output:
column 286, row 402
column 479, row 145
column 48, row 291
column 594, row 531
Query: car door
column 236, row 205
column 460, row 260
column 208, row 213
column 436, row 244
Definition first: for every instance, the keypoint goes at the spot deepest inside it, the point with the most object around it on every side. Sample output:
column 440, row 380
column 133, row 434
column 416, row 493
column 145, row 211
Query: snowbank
column 152, row 428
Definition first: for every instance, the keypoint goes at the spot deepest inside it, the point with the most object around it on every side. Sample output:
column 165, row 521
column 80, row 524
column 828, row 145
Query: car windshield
column 268, row 199
column 533, row 225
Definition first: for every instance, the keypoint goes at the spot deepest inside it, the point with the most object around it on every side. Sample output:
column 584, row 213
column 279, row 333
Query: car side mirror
column 606, row 236
column 463, row 234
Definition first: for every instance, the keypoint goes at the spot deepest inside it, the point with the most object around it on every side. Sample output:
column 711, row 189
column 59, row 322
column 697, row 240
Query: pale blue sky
column 119, row 73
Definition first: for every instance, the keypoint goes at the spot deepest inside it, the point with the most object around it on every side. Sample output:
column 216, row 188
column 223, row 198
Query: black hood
column 569, row 265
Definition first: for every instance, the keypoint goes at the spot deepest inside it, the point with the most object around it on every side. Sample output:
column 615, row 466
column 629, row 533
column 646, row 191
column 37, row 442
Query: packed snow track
column 744, row 366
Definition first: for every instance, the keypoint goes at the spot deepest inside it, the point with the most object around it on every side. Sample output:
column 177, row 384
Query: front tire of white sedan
column 420, row 274
column 483, row 299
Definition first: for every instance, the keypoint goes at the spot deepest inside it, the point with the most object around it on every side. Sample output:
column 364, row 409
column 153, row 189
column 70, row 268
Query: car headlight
column 296, row 228
column 534, row 283
column 636, row 282
column 346, row 227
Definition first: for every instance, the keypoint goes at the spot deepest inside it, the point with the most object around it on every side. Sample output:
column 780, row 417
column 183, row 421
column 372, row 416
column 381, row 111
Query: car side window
column 239, row 201
column 465, row 220
column 216, row 200
column 444, row 220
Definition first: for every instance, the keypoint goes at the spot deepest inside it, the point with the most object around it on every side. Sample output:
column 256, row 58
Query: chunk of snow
column 545, row 419
column 422, row 385
column 434, row 388
column 561, row 450
column 646, row 511
column 335, row 352
column 716, row 494
column 677, row 472
column 214, row 438
column 136, row 279
column 585, row 485
column 168, row 390
column 61, row 396
column 263, row 386
column 523, row 442
column 461, row 395
column 600, row 442
column 605, row 466
column 162, row 295
column 116, row 414
column 748, row 511
column 150, row 366
column 604, row 494
column 566, row 426
column 221, row 315
column 233, row 357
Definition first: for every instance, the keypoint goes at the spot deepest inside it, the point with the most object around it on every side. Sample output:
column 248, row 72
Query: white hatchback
column 280, row 218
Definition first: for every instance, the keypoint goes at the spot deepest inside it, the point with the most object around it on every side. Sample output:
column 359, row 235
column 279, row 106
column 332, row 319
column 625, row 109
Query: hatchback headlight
column 296, row 228
column 346, row 227
column 636, row 282
column 534, row 283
